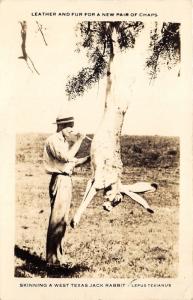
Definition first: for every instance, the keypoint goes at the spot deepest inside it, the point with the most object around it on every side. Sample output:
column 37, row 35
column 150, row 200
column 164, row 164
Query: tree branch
column 40, row 29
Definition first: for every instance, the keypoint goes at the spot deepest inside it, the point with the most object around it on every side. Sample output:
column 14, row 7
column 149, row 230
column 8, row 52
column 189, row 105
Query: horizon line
column 125, row 134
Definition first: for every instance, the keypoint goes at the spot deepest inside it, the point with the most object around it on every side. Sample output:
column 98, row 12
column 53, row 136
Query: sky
column 36, row 100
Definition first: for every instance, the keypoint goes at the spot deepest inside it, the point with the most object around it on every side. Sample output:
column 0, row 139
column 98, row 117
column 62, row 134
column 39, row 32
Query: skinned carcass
column 107, row 166
column 106, row 161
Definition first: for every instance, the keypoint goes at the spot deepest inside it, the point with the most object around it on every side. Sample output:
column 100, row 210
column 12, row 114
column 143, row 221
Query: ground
column 128, row 242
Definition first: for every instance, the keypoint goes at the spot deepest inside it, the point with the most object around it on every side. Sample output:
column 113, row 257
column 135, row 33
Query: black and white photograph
column 99, row 101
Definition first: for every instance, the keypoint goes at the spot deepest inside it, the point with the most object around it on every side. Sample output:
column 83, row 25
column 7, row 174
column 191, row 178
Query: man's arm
column 75, row 147
column 61, row 151
column 82, row 160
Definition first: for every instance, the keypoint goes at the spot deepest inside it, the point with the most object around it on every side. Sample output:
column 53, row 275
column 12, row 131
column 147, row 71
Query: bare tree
column 25, row 56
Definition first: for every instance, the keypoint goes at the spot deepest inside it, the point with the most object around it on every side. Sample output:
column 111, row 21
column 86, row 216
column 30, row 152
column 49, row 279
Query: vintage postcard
column 96, row 148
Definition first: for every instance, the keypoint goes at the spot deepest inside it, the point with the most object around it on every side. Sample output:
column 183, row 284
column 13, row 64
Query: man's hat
column 62, row 119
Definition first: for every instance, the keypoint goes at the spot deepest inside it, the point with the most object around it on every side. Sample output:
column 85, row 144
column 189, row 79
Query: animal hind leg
column 126, row 190
column 88, row 196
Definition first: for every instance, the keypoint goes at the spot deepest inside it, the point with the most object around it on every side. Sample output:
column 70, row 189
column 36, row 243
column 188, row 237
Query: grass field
column 125, row 243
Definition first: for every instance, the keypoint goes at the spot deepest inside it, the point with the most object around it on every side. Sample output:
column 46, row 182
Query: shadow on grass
column 35, row 265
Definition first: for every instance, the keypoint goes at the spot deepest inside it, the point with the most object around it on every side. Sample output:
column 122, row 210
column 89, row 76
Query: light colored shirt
column 56, row 158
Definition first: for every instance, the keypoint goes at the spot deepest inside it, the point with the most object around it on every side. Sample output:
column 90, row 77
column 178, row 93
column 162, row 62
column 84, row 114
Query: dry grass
column 125, row 243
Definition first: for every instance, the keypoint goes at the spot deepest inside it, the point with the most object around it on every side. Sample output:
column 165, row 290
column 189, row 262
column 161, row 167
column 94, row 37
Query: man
column 59, row 160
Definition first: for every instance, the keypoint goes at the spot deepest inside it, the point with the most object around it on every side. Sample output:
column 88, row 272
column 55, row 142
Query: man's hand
column 80, row 135
column 74, row 139
column 76, row 162
column 72, row 135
